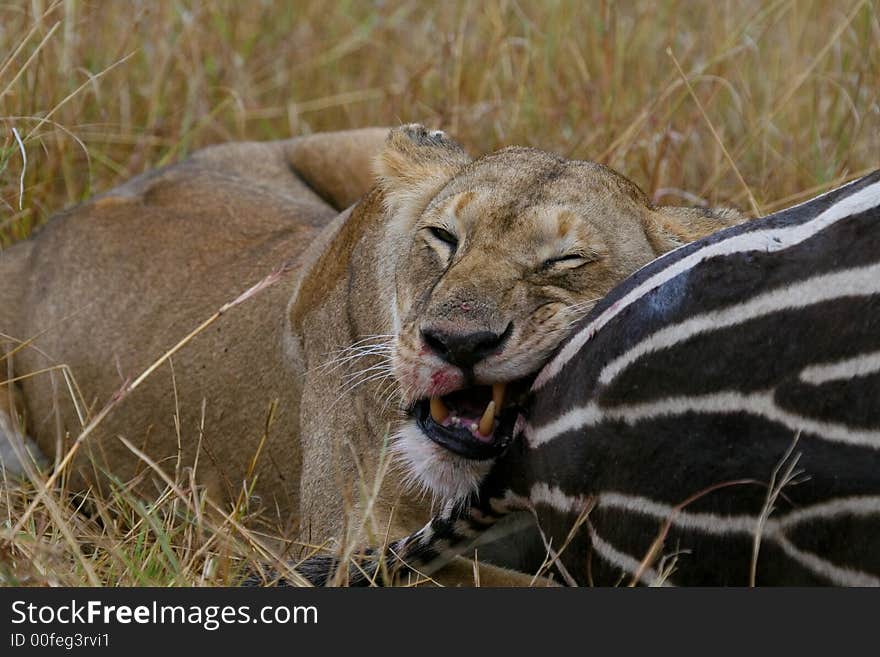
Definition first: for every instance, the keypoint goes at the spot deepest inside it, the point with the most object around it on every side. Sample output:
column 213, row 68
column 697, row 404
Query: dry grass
column 774, row 101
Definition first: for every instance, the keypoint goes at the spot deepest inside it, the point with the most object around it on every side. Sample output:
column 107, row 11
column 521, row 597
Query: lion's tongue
column 481, row 426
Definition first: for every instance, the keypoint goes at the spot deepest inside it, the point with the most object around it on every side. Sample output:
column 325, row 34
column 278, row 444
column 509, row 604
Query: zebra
column 714, row 420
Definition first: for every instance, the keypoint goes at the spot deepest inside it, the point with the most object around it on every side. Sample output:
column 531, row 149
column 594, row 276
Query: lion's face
column 494, row 260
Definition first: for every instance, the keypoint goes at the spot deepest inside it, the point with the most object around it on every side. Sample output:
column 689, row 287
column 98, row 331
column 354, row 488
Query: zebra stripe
column 727, row 402
column 863, row 281
column 848, row 368
column 625, row 562
column 713, row 523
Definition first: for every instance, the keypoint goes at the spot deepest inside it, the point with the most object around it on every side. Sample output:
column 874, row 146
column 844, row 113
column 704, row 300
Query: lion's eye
column 444, row 236
column 570, row 261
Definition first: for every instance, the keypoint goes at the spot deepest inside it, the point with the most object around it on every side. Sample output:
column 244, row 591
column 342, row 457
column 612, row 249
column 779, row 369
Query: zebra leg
column 434, row 549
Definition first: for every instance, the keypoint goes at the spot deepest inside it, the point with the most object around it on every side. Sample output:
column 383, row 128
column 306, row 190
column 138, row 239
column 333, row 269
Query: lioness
column 418, row 314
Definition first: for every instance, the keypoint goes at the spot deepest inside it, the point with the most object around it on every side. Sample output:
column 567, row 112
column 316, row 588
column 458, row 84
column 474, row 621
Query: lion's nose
column 464, row 348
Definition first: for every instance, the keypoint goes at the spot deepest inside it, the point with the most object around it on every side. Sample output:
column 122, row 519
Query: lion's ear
column 414, row 165
column 668, row 227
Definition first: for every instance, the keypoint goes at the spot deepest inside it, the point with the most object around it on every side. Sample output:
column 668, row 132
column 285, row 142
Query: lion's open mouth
column 476, row 422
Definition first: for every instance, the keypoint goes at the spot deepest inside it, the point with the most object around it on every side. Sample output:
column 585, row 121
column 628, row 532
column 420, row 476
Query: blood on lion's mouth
column 476, row 423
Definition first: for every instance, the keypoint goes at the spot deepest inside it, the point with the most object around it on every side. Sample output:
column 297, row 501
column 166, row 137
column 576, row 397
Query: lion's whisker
column 336, row 363
column 368, row 338
column 378, row 367
column 387, row 394
column 372, row 377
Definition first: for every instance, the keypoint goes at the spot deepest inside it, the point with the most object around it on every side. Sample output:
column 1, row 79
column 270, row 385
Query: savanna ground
column 751, row 104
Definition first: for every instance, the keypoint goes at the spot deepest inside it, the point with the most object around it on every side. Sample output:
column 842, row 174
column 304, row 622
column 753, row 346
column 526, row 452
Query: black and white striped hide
column 715, row 420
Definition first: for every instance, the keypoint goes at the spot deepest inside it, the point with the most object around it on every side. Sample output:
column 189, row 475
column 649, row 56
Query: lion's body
column 109, row 286
column 113, row 283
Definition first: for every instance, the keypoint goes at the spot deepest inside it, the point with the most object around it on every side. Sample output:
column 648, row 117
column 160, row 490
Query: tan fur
column 118, row 280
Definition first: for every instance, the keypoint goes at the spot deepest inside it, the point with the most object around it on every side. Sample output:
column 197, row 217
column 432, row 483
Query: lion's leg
column 338, row 166
column 17, row 449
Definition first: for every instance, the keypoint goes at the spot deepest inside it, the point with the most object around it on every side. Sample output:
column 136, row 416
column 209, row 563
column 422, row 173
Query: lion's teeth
column 439, row 412
column 498, row 390
column 487, row 422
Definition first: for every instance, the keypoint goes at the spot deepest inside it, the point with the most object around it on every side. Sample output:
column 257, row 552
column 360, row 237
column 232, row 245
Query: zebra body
column 715, row 420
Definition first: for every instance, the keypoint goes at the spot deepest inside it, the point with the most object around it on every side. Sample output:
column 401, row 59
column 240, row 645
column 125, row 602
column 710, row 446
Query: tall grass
column 751, row 104
column 100, row 91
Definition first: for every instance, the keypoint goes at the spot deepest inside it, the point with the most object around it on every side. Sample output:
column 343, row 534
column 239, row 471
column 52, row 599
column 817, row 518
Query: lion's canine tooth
column 498, row 390
column 487, row 422
column 439, row 412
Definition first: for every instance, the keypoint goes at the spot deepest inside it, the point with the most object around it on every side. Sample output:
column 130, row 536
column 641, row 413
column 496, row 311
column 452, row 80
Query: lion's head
column 492, row 261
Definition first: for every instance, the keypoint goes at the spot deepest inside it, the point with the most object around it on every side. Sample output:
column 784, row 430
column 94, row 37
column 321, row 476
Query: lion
column 422, row 290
